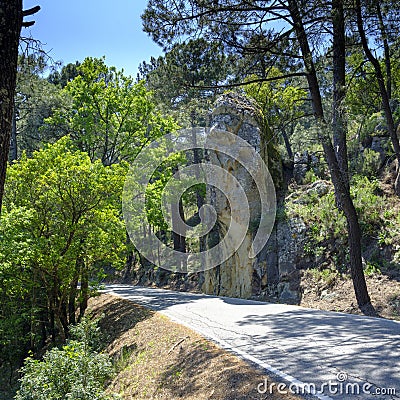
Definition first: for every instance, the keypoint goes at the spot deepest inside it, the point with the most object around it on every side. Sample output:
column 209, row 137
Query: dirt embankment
column 159, row 359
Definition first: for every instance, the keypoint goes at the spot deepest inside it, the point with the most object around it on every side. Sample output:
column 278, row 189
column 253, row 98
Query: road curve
column 333, row 355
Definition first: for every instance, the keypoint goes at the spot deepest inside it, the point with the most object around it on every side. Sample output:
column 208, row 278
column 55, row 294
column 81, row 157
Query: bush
column 368, row 163
column 327, row 225
column 75, row 371
column 310, row 177
column 369, row 205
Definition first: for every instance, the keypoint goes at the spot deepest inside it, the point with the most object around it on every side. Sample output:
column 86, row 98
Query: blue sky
column 74, row 29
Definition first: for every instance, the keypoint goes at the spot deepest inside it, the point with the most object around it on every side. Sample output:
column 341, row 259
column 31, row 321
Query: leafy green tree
column 17, row 287
column 110, row 117
column 67, row 74
column 362, row 97
column 185, row 80
column 35, row 100
column 61, row 223
column 280, row 102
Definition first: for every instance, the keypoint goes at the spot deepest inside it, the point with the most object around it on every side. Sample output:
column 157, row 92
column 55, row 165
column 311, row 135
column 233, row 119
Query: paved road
column 296, row 345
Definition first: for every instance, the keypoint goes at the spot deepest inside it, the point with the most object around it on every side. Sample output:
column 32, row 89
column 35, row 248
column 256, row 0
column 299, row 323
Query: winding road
column 332, row 355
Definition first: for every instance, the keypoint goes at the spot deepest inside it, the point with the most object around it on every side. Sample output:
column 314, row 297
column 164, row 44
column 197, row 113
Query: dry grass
column 159, row 359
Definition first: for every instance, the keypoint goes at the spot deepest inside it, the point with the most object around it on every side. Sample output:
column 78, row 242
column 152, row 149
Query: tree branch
column 28, row 24
column 260, row 80
column 31, row 11
column 28, row 12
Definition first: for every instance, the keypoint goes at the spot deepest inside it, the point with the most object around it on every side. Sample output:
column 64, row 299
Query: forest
column 325, row 78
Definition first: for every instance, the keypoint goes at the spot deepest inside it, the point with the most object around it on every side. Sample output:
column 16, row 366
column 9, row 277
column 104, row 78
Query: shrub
column 368, row 163
column 327, row 225
column 75, row 371
column 310, row 177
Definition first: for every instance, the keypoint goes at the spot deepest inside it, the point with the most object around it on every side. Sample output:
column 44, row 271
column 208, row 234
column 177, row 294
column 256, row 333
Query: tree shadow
column 154, row 298
column 117, row 316
column 322, row 344
column 206, row 373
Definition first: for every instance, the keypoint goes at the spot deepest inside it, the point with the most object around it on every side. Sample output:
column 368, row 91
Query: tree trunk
column 14, row 142
column 178, row 216
column 72, row 299
column 179, row 240
column 10, row 29
column 288, row 146
column 388, row 64
column 84, row 292
column 383, row 92
column 339, row 88
column 339, row 180
column 52, row 321
column 63, row 316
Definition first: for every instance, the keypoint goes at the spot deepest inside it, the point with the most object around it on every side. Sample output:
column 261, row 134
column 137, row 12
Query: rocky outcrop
column 273, row 272
column 240, row 116
column 300, row 166
column 304, row 162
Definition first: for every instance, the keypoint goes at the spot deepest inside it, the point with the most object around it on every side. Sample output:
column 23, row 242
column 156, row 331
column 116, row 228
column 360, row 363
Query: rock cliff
column 273, row 272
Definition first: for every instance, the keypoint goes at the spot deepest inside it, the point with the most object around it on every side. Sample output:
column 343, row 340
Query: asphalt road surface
column 332, row 355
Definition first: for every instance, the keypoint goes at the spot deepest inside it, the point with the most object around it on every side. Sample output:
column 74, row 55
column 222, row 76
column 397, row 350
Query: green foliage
column 372, row 269
column 35, row 101
column 278, row 99
column 67, row 74
column 327, row 275
column 328, row 225
column 389, row 234
column 362, row 95
column 110, row 118
column 61, row 222
column 87, row 332
column 310, row 177
column 177, row 78
column 76, row 371
column 67, row 199
column 368, row 163
column 369, row 205
column 281, row 104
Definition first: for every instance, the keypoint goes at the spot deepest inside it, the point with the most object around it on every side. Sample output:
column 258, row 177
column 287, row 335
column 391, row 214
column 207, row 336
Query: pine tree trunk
column 339, row 127
column 10, row 29
column 338, row 175
column 14, row 142
column 386, row 50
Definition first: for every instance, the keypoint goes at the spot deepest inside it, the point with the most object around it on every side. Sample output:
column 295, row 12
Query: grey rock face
column 274, row 269
column 380, row 145
column 300, row 166
column 237, row 115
